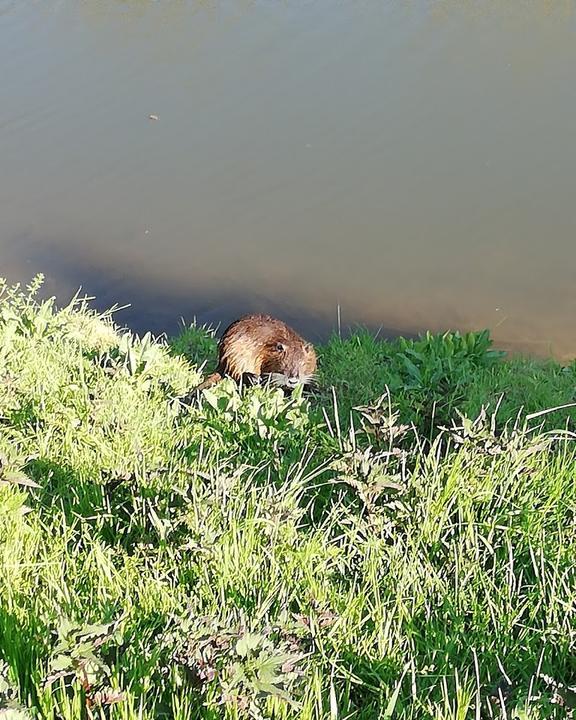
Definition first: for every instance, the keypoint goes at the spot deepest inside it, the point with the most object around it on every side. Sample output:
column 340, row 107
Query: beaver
column 262, row 347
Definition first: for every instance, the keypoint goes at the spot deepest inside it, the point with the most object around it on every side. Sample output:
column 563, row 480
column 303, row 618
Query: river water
column 405, row 164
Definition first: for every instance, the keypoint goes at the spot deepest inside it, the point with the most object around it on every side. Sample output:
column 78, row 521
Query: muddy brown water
column 411, row 162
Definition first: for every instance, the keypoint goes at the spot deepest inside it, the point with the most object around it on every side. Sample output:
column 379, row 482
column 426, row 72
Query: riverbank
column 400, row 543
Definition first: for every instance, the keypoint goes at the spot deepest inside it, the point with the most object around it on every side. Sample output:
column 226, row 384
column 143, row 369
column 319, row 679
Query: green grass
column 399, row 544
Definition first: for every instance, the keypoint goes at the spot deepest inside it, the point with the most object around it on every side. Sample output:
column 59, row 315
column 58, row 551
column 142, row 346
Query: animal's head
column 288, row 362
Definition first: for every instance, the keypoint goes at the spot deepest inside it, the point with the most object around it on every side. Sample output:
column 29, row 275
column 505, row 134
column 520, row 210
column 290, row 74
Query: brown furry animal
column 260, row 346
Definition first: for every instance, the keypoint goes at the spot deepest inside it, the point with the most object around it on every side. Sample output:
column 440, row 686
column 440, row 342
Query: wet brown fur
column 258, row 345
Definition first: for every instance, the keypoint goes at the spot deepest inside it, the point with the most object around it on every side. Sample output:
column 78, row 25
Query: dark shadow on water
column 157, row 307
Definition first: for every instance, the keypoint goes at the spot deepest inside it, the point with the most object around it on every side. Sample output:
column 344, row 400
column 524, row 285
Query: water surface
column 411, row 162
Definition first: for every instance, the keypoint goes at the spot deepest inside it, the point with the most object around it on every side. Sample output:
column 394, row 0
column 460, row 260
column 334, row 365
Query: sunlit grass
column 402, row 545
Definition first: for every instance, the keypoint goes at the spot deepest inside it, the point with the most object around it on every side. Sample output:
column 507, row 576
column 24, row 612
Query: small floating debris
column 153, row 117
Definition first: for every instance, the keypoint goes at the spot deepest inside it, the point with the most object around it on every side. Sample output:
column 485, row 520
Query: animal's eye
column 280, row 347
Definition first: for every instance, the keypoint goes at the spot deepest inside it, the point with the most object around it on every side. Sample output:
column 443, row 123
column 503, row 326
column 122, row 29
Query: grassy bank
column 399, row 544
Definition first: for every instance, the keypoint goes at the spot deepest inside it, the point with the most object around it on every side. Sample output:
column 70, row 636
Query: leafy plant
column 75, row 658
column 242, row 668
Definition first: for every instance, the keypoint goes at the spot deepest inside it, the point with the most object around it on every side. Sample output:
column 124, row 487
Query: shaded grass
column 255, row 555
